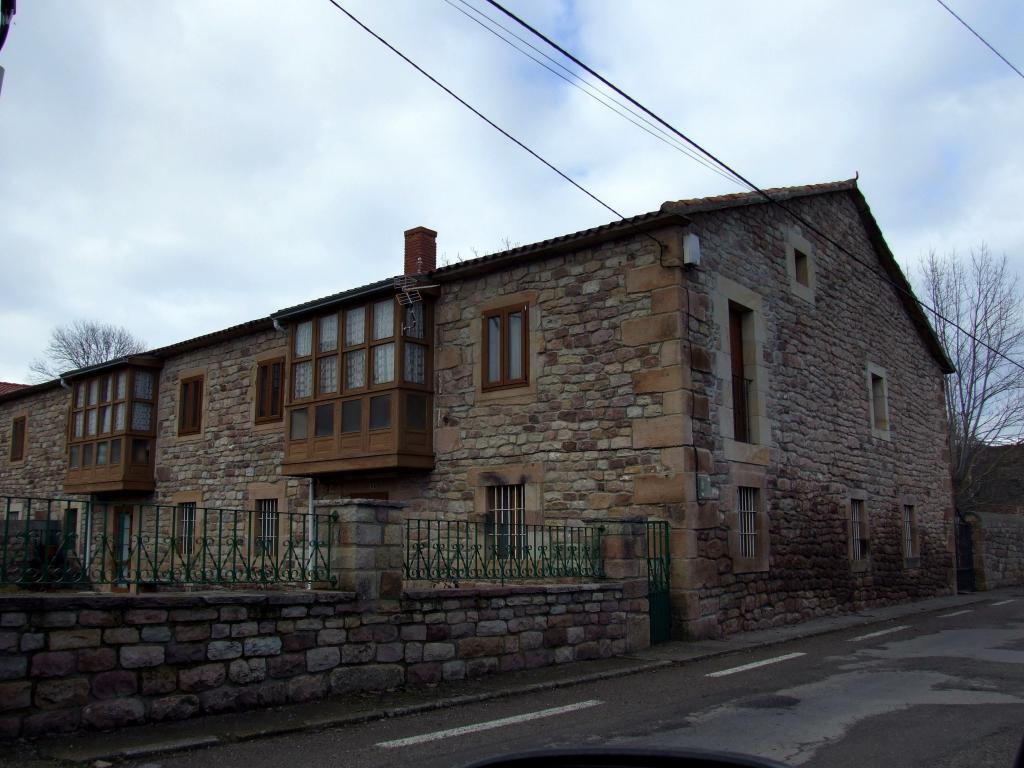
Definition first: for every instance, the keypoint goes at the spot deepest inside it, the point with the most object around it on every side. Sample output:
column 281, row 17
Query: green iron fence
column 80, row 544
column 453, row 551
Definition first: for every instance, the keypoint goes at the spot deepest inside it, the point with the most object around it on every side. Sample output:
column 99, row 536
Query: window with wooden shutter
column 18, row 438
column 190, row 406
column 506, row 351
column 269, row 390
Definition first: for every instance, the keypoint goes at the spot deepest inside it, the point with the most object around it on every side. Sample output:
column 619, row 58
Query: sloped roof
column 670, row 212
column 737, row 199
column 901, row 287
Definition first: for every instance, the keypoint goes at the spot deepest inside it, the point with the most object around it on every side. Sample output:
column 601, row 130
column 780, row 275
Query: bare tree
column 985, row 398
column 83, row 343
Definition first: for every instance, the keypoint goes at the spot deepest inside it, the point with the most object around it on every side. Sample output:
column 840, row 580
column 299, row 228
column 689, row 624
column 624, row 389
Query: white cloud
column 181, row 167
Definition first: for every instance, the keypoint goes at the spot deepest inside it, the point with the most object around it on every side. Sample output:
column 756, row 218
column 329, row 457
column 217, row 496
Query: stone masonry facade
column 625, row 414
column 628, row 411
column 101, row 662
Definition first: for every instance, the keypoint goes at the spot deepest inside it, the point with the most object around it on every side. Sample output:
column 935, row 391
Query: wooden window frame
column 504, row 382
column 19, row 442
column 190, row 405
column 264, row 391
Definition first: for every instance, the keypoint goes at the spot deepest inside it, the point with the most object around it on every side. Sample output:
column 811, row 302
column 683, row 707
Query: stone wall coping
column 509, row 589
column 114, row 601
column 360, row 502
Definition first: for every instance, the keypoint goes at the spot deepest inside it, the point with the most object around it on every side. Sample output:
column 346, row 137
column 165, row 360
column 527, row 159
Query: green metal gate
column 658, row 567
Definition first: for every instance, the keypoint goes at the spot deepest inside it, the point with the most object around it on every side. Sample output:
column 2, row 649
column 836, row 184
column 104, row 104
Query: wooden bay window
column 353, row 369
column 111, row 430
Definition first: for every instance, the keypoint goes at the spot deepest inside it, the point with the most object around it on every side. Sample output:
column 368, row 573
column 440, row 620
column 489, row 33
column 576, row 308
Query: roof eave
column 555, row 246
column 904, row 289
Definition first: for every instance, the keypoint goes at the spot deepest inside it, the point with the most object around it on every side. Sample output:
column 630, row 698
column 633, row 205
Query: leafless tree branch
column 985, row 398
column 83, row 343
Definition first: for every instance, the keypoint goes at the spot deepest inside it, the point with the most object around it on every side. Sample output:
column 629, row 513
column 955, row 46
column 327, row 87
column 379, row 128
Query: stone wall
column 41, row 473
column 817, row 447
column 603, row 356
column 233, row 460
column 107, row 661
column 628, row 413
column 998, row 549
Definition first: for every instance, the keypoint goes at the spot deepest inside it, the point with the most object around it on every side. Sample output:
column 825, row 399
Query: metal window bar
column 908, row 532
column 453, row 551
column 747, row 517
column 187, row 528
column 508, row 536
column 857, row 529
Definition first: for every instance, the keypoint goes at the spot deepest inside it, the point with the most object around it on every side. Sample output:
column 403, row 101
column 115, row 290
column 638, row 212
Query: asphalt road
column 942, row 690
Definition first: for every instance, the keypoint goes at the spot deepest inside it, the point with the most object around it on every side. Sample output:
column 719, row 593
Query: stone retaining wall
column 998, row 550
column 98, row 662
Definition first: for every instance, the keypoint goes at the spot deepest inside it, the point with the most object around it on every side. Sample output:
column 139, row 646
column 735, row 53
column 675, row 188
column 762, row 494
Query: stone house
column 709, row 364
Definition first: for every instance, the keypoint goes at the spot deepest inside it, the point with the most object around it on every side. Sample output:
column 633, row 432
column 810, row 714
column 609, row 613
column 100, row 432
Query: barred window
column 909, row 532
column 858, row 530
column 186, row 528
column 747, row 518
column 266, row 510
column 506, row 521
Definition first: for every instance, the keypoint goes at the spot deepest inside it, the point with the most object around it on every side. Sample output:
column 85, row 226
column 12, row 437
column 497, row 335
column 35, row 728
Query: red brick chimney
column 420, row 250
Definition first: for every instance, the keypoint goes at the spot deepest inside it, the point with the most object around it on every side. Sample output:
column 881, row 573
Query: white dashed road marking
column 755, row 665
column 879, row 633
column 955, row 613
column 1002, row 602
column 489, row 724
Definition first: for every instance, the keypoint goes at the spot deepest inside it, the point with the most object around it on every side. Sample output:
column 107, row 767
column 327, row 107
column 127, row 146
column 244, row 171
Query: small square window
column 352, row 416
column 140, row 452
column 300, row 424
column 416, row 411
column 324, row 418
column 380, row 412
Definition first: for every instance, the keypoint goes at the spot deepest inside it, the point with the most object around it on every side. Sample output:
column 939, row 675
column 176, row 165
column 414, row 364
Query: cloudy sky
column 177, row 167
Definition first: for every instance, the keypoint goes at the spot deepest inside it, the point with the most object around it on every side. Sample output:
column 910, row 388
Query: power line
column 745, row 180
column 975, row 33
column 570, row 77
column 473, row 109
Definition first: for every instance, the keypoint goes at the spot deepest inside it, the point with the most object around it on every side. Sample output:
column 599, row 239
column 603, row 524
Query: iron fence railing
column 453, row 551
column 70, row 543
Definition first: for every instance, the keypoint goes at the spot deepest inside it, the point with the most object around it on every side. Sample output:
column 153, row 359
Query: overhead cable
column 768, row 198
